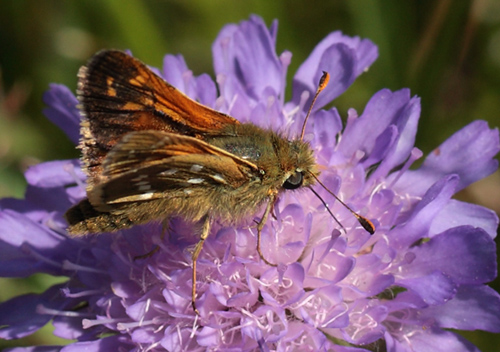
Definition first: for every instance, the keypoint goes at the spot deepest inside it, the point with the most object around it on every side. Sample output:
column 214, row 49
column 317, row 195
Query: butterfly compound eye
column 294, row 181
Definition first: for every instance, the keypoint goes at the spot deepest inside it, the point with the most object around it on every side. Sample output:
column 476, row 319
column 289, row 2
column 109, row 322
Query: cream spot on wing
column 196, row 168
column 195, row 181
column 168, row 172
column 134, row 198
column 145, row 196
column 218, row 178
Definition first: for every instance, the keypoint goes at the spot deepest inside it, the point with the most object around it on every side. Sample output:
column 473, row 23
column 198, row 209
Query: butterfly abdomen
column 83, row 219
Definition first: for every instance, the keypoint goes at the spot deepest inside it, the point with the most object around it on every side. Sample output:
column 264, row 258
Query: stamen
column 146, row 309
column 67, row 265
column 187, row 76
column 285, row 59
column 135, row 324
column 88, row 323
column 85, row 293
column 70, row 169
column 152, row 346
column 193, row 330
column 41, row 309
column 414, row 155
column 26, row 248
column 52, row 224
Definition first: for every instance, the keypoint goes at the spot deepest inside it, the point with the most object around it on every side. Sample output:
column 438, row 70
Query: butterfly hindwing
column 154, row 164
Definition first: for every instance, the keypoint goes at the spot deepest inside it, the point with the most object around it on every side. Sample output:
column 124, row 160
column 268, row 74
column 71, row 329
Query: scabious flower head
column 421, row 274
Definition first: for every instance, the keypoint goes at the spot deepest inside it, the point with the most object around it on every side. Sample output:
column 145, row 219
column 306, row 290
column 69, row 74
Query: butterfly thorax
column 276, row 158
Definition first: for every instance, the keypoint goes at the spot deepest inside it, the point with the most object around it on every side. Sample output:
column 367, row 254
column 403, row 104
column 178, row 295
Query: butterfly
column 152, row 153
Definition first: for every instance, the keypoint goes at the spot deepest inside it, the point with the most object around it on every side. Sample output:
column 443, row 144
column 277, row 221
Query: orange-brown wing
column 118, row 94
column 149, row 165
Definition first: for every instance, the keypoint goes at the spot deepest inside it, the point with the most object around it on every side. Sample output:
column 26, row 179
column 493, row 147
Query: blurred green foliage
column 447, row 52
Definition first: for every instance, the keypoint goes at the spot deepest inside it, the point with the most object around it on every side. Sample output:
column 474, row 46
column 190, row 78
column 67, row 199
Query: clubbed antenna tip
column 367, row 224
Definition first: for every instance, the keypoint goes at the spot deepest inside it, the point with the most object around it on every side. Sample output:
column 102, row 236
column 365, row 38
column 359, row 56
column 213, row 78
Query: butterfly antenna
column 328, row 209
column 323, row 82
column 367, row 224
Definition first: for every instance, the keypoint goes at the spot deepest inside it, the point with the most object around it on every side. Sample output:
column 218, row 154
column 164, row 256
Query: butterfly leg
column 205, row 231
column 164, row 229
column 260, row 226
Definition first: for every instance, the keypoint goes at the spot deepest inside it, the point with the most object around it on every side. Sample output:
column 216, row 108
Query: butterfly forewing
column 118, row 94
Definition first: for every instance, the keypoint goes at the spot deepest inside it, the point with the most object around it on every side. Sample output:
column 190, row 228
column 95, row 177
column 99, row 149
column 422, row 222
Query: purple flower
column 421, row 274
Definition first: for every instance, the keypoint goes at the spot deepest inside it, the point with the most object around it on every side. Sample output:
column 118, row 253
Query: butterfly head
column 299, row 166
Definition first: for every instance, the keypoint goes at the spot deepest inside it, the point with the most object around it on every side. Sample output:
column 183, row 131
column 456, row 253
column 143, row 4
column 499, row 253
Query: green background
column 447, row 52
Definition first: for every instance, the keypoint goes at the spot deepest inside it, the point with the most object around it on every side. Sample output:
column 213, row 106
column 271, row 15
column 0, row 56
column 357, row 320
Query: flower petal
column 343, row 57
column 35, row 349
column 62, row 110
column 325, row 127
column 456, row 213
column 434, row 340
column 58, row 173
column 434, row 289
column 110, row 343
column 386, row 108
column 19, row 316
column 468, row 153
column 473, row 307
column 465, row 254
column 421, row 217
column 395, row 153
column 176, row 72
column 247, row 53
